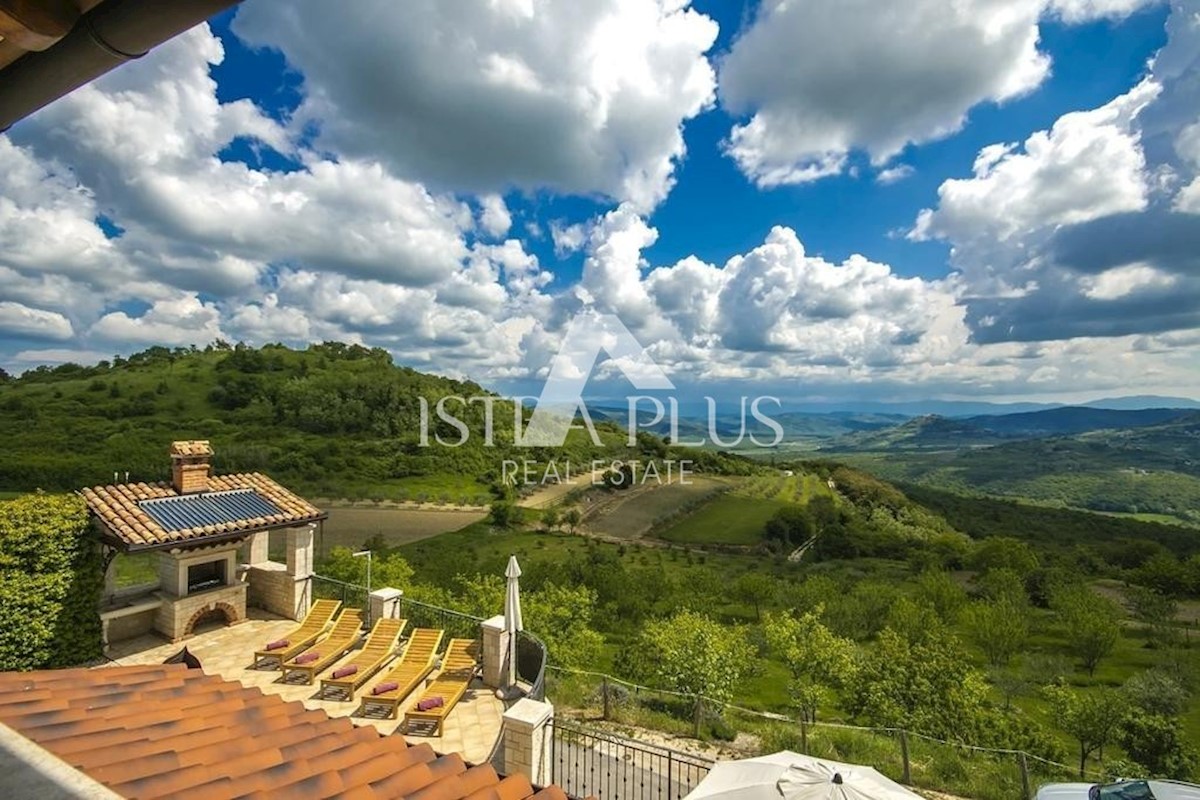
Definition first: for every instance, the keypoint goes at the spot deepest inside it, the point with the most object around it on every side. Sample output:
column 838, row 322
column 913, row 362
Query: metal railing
column 456, row 624
column 590, row 763
column 351, row 594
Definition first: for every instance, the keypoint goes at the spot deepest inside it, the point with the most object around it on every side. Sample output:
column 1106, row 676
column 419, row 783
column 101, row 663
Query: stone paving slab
column 472, row 728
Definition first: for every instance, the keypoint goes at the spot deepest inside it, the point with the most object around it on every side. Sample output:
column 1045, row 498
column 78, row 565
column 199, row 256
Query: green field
column 725, row 520
column 632, row 514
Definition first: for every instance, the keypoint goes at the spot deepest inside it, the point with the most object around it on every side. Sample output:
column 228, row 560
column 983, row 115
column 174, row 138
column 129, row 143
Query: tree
column 561, row 616
column 572, row 518
column 504, row 514
column 927, row 686
column 550, row 518
column 1000, row 628
column 941, row 592
column 1091, row 718
column 1004, row 552
column 696, row 656
column 1157, row 612
column 1091, row 623
column 4, row 376
column 816, row 657
column 1003, row 585
column 1159, row 744
column 791, row 525
column 390, row 570
column 1156, row 692
column 755, row 589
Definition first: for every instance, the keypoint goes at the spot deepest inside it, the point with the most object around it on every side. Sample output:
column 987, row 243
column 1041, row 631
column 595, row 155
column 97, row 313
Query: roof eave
column 125, row 546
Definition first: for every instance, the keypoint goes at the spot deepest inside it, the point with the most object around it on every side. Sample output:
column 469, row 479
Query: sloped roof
column 132, row 520
column 165, row 731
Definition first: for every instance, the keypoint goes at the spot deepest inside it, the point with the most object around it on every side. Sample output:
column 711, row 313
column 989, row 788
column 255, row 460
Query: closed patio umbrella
column 512, row 616
column 792, row 776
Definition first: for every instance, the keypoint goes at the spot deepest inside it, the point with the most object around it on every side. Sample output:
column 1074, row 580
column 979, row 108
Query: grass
column 725, row 520
column 351, row 527
column 631, row 515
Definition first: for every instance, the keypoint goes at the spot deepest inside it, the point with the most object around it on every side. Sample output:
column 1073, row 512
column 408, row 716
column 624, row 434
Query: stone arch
column 229, row 612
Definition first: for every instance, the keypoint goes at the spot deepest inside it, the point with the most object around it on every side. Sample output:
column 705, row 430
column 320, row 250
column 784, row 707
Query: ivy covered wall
column 50, row 583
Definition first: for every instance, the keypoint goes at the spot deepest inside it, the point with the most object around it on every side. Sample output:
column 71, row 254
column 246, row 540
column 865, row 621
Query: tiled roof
column 167, row 731
column 195, row 448
column 121, row 510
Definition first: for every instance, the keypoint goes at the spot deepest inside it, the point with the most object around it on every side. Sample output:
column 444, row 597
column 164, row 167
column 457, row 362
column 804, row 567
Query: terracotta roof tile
column 131, row 527
column 167, row 731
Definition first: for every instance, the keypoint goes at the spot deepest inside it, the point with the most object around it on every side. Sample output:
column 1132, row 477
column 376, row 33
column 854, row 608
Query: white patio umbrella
column 512, row 616
column 792, row 776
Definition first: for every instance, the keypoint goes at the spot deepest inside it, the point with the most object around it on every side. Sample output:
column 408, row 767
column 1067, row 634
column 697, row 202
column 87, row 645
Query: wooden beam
column 36, row 24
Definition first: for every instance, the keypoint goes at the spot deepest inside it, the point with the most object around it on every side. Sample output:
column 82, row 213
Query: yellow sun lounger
column 378, row 650
column 409, row 671
column 300, row 638
column 458, row 668
column 344, row 635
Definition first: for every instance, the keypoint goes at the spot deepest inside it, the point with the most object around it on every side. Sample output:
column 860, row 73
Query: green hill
column 333, row 420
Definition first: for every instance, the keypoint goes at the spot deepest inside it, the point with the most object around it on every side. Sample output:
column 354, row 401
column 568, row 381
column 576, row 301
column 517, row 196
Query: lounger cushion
column 307, row 657
column 279, row 645
column 342, row 672
column 384, row 688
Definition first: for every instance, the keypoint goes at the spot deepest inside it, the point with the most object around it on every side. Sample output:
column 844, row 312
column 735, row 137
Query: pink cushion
column 279, row 645
column 430, row 703
column 307, row 658
column 342, row 672
column 384, row 688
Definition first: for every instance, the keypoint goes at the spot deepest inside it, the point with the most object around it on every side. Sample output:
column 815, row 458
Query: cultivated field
column 728, row 519
column 631, row 514
column 351, row 527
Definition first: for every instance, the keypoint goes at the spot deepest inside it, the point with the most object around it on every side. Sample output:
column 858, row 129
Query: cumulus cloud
column 1082, row 231
column 485, row 96
column 182, row 321
column 815, row 81
column 35, row 323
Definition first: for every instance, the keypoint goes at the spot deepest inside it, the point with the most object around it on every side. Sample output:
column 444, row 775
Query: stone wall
column 175, row 617
column 524, row 740
column 271, row 588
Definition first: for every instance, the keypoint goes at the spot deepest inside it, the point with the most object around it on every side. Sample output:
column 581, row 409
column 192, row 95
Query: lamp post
column 366, row 553
column 367, row 601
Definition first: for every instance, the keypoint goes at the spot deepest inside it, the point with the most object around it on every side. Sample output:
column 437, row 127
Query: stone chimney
column 190, row 465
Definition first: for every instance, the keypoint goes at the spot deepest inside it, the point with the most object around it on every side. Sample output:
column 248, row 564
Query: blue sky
column 459, row 184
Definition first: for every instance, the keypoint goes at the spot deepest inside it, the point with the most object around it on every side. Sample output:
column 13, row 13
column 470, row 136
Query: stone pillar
column 300, row 551
column 258, row 548
column 110, row 579
column 495, row 652
column 524, row 740
column 384, row 604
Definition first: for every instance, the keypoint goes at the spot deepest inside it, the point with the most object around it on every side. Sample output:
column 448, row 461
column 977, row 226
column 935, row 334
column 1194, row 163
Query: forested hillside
column 335, row 420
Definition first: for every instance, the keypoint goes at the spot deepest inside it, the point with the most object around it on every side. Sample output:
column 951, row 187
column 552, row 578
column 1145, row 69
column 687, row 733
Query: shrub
column 50, row 583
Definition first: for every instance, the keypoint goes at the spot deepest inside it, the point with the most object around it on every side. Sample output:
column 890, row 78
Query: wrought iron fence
column 456, row 624
column 589, row 763
column 351, row 594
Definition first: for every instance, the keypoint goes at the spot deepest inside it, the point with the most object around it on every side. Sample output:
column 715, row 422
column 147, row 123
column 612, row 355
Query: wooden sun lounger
column 379, row 648
column 458, row 668
column 300, row 638
column 409, row 671
column 344, row 635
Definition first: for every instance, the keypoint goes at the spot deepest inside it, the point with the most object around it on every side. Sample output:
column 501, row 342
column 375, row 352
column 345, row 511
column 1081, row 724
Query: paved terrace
column 471, row 729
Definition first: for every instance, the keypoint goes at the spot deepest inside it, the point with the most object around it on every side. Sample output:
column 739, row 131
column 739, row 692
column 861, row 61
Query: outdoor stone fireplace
column 198, row 583
column 195, row 526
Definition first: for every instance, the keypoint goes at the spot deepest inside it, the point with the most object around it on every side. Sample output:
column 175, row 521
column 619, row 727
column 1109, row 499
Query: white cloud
column 895, row 174
column 35, row 323
column 1089, row 165
column 485, row 96
column 494, row 216
column 819, row 80
column 1120, row 282
column 181, row 321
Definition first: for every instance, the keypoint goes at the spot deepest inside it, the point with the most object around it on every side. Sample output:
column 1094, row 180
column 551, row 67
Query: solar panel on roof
column 210, row 508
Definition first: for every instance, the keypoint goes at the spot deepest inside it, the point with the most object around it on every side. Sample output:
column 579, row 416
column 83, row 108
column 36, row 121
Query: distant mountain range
column 937, row 432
